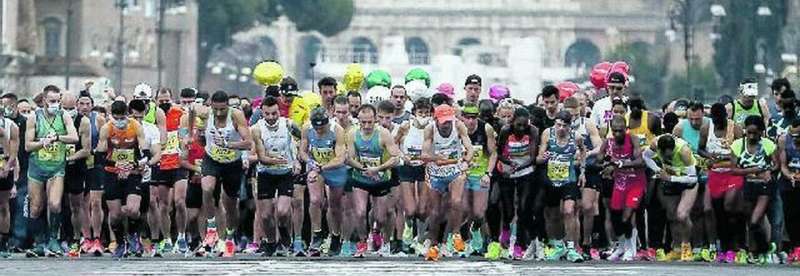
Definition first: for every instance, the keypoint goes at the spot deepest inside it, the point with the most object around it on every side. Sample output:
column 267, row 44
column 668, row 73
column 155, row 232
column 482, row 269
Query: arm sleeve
column 689, row 178
column 648, row 155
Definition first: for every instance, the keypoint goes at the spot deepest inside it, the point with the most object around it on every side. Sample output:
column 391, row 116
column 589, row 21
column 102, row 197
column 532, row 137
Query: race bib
column 90, row 161
column 122, row 156
column 443, row 171
column 173, row 143
column 70, row 149
column 322, row 155
column 50, row 153
column 370, row 162
column 414, row 152
column 477, row 153
column 558, row 171
column 642, row 139
column 222, row 155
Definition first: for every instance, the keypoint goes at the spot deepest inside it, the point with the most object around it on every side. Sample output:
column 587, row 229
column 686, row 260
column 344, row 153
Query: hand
column 245, row 164
column 13, row 193
column 664, row 175
column 581, row 180
column 371, row 172
column 45, row 142
column 296, row 169
column 765, row 175
column 485, row 181
column 546, row 155
column 463, row 166
column 123, row 174
column 312, row 177
column 276, row 160
column 143, row 163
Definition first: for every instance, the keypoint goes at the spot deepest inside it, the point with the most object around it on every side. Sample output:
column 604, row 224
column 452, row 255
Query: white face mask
column 72, row 113
column 423, row 121
column 53, row 108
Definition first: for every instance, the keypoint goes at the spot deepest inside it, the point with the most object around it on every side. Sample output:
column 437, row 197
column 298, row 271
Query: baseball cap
column 749, row 89
column 142, row 91
column 470, row 109
column 473, row 79
column 289, row 86
column 444, row 113
column 447, row 89
column 616, row 77
column 272, row 90
column 319, row 117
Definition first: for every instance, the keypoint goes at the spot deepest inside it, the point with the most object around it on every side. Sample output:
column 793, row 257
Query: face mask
column 121, row 124
column 165, row 106
column 72, row 113
column 636, row 114
column 8, row 112
column 53, row 108
column 423, row 121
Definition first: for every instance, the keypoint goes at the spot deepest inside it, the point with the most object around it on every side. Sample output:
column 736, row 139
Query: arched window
column 364, row 51
column 267, row 49
column 310, row 47
column 52, row 36
column 417, row 51
column 582, row 53
column 464, row 42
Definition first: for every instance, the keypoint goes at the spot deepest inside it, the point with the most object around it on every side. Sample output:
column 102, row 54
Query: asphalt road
column 366, row 267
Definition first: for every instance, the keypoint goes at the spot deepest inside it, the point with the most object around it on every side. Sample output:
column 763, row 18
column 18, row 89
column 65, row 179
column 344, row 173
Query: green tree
column 704, row 87
column 648, row 66
column 737, row 50
column 219, row 20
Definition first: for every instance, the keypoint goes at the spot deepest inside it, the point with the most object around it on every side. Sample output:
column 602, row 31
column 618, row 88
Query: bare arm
column 102, row 141
column 241, row 126
column 340, row 149
column 302, row 153
column 86, row 141
column 260, row 152
column 427, row 146
column 31, row 144
column 542, row 157
column 470, row 151
column 491, row 143
column 705, row 130
column 72, row 133
column 594, row 137
column 13, row 147
column 388, row 144
column 351, row 151
column 161, row 122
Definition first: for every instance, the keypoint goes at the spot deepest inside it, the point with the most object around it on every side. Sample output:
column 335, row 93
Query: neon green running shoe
column 741, row 257
column 493, row 251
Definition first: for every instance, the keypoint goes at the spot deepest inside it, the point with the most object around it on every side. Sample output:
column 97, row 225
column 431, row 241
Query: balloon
column 447, row 89
column 620, row 66
column 566, row 89
column 268, row 73
column 377, row 94
column 498, row 92
column 379, row 77
column 418, row 74
column 353, row 78
column 599, row 73
column 417, row 89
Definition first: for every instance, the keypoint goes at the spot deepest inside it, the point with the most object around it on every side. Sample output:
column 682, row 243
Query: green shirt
column 53, row 156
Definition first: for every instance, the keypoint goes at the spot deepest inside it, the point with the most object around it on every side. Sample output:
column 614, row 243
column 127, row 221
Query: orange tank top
column 123, row 146
column 170, row 151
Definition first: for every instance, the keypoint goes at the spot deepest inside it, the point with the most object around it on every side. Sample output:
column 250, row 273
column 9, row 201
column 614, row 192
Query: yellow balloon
column 353, row 78
column 268, row 73
column 301, row 107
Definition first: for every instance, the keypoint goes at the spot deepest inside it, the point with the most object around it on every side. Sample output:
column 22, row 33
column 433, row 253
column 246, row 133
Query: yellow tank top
column 643, row 130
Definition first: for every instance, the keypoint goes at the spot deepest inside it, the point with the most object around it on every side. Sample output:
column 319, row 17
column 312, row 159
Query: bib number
column 322, row 155
column 558, row 171
column 221, row 154
column 50, row 153
column 173, row 143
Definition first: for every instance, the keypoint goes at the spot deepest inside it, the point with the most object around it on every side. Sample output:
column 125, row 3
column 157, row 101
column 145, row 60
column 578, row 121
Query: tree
column 219, row 20
column 648, row 66
column 705, row 86
column 738, row 49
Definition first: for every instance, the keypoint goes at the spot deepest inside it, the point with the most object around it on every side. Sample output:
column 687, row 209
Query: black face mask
column 636, row 114
column 165, row 107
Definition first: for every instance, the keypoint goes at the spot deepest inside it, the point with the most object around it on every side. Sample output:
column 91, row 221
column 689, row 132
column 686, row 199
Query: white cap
column 749, row 89
column 142, row 90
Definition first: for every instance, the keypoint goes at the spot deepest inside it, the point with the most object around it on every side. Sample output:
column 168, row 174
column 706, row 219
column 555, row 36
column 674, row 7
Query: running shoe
column 86, row 245
column 618, row 251
column 335, row 245
column 505, row 238
column 661, row 256
column 686, row 252
column 112, row 246
column 361, row 249
column 433, row 254
column 120, row 251
column 5, row 253
column 741, row 257
column 97, row 248
column 345, row 251
column 705, row 255
column 518, row 253
column 74, row 250
column 267, row 249
column 630, row 250
column 794, row 257
column 230, row 248
column 727, row 257
column 594, row 254
column 385, row 250
column 36, row 251
column 201, row 251
column 166, row 245
column 211, row 237
column 298, row 247
column 530, row 252
column 220, row 249
column 458, row 243
column 251, row 248
column 573, row 256
column 183, row 246
column 493, row 251
column 135, row 245
column 538, row 254
column 476, row 241
column 559, row 251
column 53, row 249
column 315, row 248
column 408, row 233
column 377, row 241
column 396, row 248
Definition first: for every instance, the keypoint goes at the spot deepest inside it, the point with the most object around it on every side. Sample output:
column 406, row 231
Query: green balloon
column 379, row 78
column 418, row 74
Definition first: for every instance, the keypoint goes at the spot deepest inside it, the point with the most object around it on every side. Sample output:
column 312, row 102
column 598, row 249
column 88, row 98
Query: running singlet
column 150, row 116
column 94, row 133
column 277, row 143
column 227, row 133
column 561, row 165
column 579, row 128
column 480, row 161
column 53, row 156
column 691, row 135
column 643, row 130
column 720, row 147
column 761, row 158
column 517, row 150
column 323, row 150
column 792, row 154
column 674, row 164
column 73, row 148
column 450, row 147
column 740, row 113
column 123, row 146
column 170, row 152
column 412, row 144
column 5, row 124
column 627, row 176
column 370, row 153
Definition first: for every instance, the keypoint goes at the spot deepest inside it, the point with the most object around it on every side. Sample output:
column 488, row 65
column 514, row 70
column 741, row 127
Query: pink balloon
column 566, row 89
column 599, row 73
column 620, row 67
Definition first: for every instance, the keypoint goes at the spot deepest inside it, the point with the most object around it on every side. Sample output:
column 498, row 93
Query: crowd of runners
column 394, row 170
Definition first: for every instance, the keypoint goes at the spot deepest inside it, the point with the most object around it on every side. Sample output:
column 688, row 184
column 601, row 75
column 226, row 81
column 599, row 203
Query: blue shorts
column 474, row 184
column 41, row 175
column 336, row 178
column 442, row 184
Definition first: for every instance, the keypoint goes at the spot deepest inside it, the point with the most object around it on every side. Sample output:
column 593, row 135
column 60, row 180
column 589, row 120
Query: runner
column 384, row 240
column 678, row 192
column 327, row 89
column 755, row 159
column 46, row 137
column 122, row 148
column 476, row 194
column 75, row 177
column 191, row 152
column 226, row 137
column 399, row 99
column 789, row 150
column 617, row 85
column 9, row 144
column 20, row 221
column 748, row 104
column 472, row 90
column 517, row 149
column 276, row 152
column 412, row 173
column 448, row 151
column 562, row 153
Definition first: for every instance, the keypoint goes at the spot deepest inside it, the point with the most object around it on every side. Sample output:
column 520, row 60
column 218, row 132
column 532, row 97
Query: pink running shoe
column 594, row 253
column 730, row 256
column 505, row 238
column 518, row 252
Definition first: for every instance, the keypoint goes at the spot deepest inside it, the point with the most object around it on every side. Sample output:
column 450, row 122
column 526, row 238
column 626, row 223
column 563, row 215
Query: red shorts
column 628, row 196
column 720, row 183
